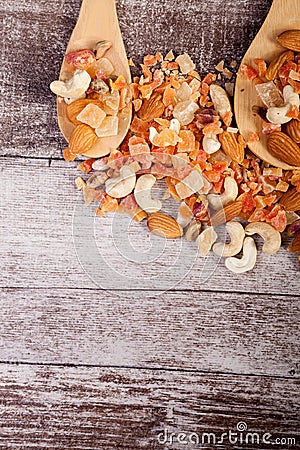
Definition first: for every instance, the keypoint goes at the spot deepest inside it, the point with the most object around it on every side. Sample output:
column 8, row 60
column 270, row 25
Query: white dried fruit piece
column 92, row 115
column 185, row 62
column 278, row 115
column 96, row 180
column 190, row 184
column 111, row 103
column 211, row 143
column 80, row 183
column 122, row 185
column 205, row 241
column 108, row 127
column 143, row 195
column 175, row 126
column 237, row 235
column 269, row 94
column 193, row 231
column 221, row 102
column 248, row 260
column 231, row 190
column 185, row 215
column 100, row 164
column 183, row 93
column 272, row 237
column 75, row 87
column 105, row 65
column 179, row 160
column 185, row 111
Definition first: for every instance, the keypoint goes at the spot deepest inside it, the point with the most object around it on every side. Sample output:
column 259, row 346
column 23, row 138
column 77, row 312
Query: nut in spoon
column 283, row 15
column 97, row 22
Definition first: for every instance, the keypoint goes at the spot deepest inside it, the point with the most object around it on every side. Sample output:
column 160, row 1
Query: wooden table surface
column 116, row 353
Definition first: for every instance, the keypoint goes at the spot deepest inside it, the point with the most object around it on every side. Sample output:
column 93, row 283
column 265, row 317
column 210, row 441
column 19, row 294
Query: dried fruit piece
column 108, row 127
column 81, row 59
column 76, row 107
column 228, row 213
column 291, row 200
column 185, row 111
column 290, row 39
column 233, row 146
column 277, row 63
column 185, row 62
column 152, row 108
column 82, row 139
column 164, row 226
column 284, row 148
column 92, row 115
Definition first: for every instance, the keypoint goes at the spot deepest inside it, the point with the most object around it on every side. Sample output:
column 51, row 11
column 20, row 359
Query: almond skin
column 291, row 200
column 290, row 39
column 294, row 247
column 76, row 107
column 233, row 146
column 82, row 139
column 226, row 214
column 292, row 128
column 277, row 63
column 152, row 108
column 284, row 148
column 164, row 226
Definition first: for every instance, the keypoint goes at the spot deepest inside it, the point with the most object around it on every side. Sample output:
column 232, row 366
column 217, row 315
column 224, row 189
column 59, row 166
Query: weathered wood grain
column 47, row 236
column 96, row 408
column 35, row 34
column 232, row 333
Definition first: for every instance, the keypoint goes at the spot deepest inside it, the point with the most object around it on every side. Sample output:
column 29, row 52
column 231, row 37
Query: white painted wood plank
column 47, row 236
column 232, row 333
column 96, row 408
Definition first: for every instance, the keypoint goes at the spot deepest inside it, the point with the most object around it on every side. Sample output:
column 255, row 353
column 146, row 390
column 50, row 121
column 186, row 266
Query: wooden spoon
column 284, row 15
column 98, row 21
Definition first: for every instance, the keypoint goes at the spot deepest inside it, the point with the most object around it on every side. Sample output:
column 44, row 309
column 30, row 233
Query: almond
column 277, row 63
column 82, row 139
column 290, row 39
column 164, row 226
column 294, row 247
column 292, row 128
column 76, row 107
column 233, row 145
column 152, row 108
column 291, row 200
column 226, row 214
column 284, row 148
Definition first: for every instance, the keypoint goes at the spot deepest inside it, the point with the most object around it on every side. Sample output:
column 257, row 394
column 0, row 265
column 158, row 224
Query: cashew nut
column 73, row 88
column 205, row 241
column 220, row 100
column 247, row 262
column 185, row 215
column 278, row 114
column 237, row 235
column 122, row 185
column 142, row 194
column 272, row 237
column 217, row 201
column 211, row 143
column 190, row 184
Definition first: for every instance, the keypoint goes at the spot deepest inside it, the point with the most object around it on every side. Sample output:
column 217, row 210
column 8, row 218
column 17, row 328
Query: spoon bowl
column 283, row 15
column 98, row 21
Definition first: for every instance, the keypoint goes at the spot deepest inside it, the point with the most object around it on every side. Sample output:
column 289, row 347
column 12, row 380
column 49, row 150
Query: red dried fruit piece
column 261, row 66
column 248, row 202
column 150, row 60
column 210, row 78
column 284, row 72
column 248, row 71
column 86, row 166
column 81, row 59
column 139, row 125
column 279, row 222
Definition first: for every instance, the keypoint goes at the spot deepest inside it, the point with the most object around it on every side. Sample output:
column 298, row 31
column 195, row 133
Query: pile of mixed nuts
column 182, row 134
